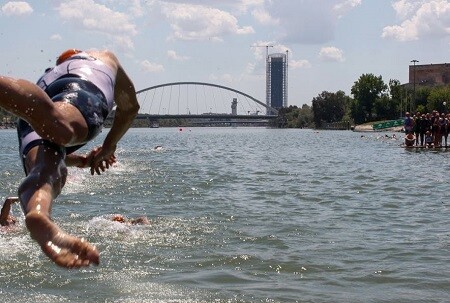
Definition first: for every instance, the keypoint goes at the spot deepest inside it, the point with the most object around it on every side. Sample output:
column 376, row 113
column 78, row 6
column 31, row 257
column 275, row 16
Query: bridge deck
column 207, row 116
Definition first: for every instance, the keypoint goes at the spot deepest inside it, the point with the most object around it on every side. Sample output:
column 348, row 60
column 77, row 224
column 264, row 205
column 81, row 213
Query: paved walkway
column 369, row 128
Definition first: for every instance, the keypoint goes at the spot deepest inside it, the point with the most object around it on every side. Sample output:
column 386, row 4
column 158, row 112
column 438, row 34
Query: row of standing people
column 430, row 129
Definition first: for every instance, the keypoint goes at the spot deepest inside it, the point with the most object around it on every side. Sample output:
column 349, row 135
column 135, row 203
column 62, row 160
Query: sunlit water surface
column 244, row 215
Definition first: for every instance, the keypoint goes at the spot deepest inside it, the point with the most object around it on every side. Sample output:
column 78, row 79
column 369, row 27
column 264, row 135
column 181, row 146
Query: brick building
column 430, row 74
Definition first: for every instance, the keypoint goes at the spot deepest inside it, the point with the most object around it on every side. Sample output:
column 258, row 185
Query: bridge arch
column 269, row 108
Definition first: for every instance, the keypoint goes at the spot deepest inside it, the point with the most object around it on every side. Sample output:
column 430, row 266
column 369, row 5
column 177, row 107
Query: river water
column 244, row 215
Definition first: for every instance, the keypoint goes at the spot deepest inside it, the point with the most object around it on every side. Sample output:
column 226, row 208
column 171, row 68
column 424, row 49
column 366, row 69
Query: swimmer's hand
column 101, row 158
column 11, row 200
column 95, row 159
column 77, row 160
column 5, row 218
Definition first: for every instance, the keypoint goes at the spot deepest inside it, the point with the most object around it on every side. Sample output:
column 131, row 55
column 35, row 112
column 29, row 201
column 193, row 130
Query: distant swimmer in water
column 58, row 115
column 6, row 219
column 158, row 148
column 410, row 139
column 136, row 221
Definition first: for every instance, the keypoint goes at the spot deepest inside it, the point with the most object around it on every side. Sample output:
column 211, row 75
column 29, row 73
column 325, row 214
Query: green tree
column 384, row 108
column 422, row 95
column 6, row 118
column 306, row 118
column 397, row 93
column 366, row 91
column 439, row 99
column 293, row 117
column 329, row 107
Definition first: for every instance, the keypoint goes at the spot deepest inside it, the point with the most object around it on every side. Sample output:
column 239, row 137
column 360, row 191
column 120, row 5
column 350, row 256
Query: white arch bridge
column 200, row 100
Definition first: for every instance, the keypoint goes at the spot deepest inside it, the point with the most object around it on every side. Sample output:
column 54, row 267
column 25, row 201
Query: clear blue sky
column 331, row 42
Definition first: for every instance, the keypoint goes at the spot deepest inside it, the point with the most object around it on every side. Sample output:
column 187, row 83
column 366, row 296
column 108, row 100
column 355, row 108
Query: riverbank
column 368, row 127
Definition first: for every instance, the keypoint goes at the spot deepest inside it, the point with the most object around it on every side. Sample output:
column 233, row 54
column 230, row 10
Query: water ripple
column 246, row 215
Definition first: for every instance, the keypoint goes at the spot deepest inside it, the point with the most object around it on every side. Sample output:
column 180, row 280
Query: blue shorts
column 82, row 94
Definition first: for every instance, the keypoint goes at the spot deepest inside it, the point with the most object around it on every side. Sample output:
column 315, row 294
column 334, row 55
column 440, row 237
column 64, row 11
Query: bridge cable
column 170, row 101
column 214, row 101
column 187, row 99
column 196, row 98
column 179, row 95
column 160, row 100
column 205, row 100
column 151, row 103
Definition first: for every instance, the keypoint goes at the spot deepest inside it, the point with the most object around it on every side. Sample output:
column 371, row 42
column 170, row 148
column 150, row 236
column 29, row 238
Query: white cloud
column 123, row 42
column 152, row 67
column 260, row 48
column 406, row 8
column 98, row 18
column 135, row 8
column 263, row 17
column 293, row 21
column 196, row 22
column 55, row 37
column 250, row 68
column 173, row 55
column 311, row 22
column 17, row 8
column 332, row 54
column 281, row 48
column 245, row 4
column 405, row 32
column 241, row 6
column 343, row 7
column 299, row 64
column 424, row 19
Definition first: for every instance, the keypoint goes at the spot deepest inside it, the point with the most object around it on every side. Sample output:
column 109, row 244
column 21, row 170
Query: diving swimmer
column 59, row 114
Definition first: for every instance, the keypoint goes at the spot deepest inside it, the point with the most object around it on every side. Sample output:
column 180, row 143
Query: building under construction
column 277, row 80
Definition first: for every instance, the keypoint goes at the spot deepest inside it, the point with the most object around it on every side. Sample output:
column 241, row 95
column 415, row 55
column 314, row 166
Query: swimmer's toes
column 93, row 256
column 71, row 252
column 86, row 251
column 63, row 259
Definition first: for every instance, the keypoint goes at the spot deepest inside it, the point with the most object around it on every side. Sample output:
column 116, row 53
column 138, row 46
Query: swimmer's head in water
column 9, row 221
column 66, row 55
column 118, row 218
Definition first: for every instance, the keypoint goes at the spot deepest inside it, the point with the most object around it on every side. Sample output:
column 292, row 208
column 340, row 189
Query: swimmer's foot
column 63, row 249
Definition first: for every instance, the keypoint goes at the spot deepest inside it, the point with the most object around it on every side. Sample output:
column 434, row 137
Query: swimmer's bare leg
column 47, row 176
column 63, row 249
column 59, row 122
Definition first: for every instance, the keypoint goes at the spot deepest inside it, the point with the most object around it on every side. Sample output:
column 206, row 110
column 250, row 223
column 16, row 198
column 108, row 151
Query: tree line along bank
column 372, row 100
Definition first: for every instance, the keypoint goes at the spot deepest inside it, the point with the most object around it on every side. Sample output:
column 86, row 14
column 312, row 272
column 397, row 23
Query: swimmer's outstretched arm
column 83, row 161
column 126, row 110
column 77, row 160
column 6, row 209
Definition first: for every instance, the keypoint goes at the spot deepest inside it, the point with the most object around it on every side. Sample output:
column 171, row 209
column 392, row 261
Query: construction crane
column 267, row 49
column 267, row 75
